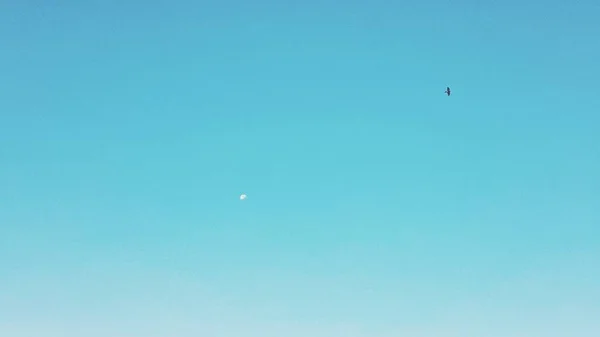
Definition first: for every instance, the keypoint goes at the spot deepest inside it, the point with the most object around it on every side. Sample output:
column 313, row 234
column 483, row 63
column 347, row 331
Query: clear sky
column 377, row 206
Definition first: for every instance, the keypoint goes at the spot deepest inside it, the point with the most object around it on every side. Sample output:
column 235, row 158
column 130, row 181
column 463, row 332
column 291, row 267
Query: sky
column 377, row 206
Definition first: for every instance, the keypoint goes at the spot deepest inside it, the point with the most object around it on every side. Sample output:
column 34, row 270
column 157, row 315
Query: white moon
column 243, row 196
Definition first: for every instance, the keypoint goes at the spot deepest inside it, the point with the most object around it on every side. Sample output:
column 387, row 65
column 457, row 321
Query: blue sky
column 377, row 206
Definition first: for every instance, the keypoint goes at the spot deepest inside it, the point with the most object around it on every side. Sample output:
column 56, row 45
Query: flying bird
column 447, row 91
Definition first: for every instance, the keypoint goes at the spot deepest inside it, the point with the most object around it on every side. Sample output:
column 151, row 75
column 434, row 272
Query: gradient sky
column 377, row 206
